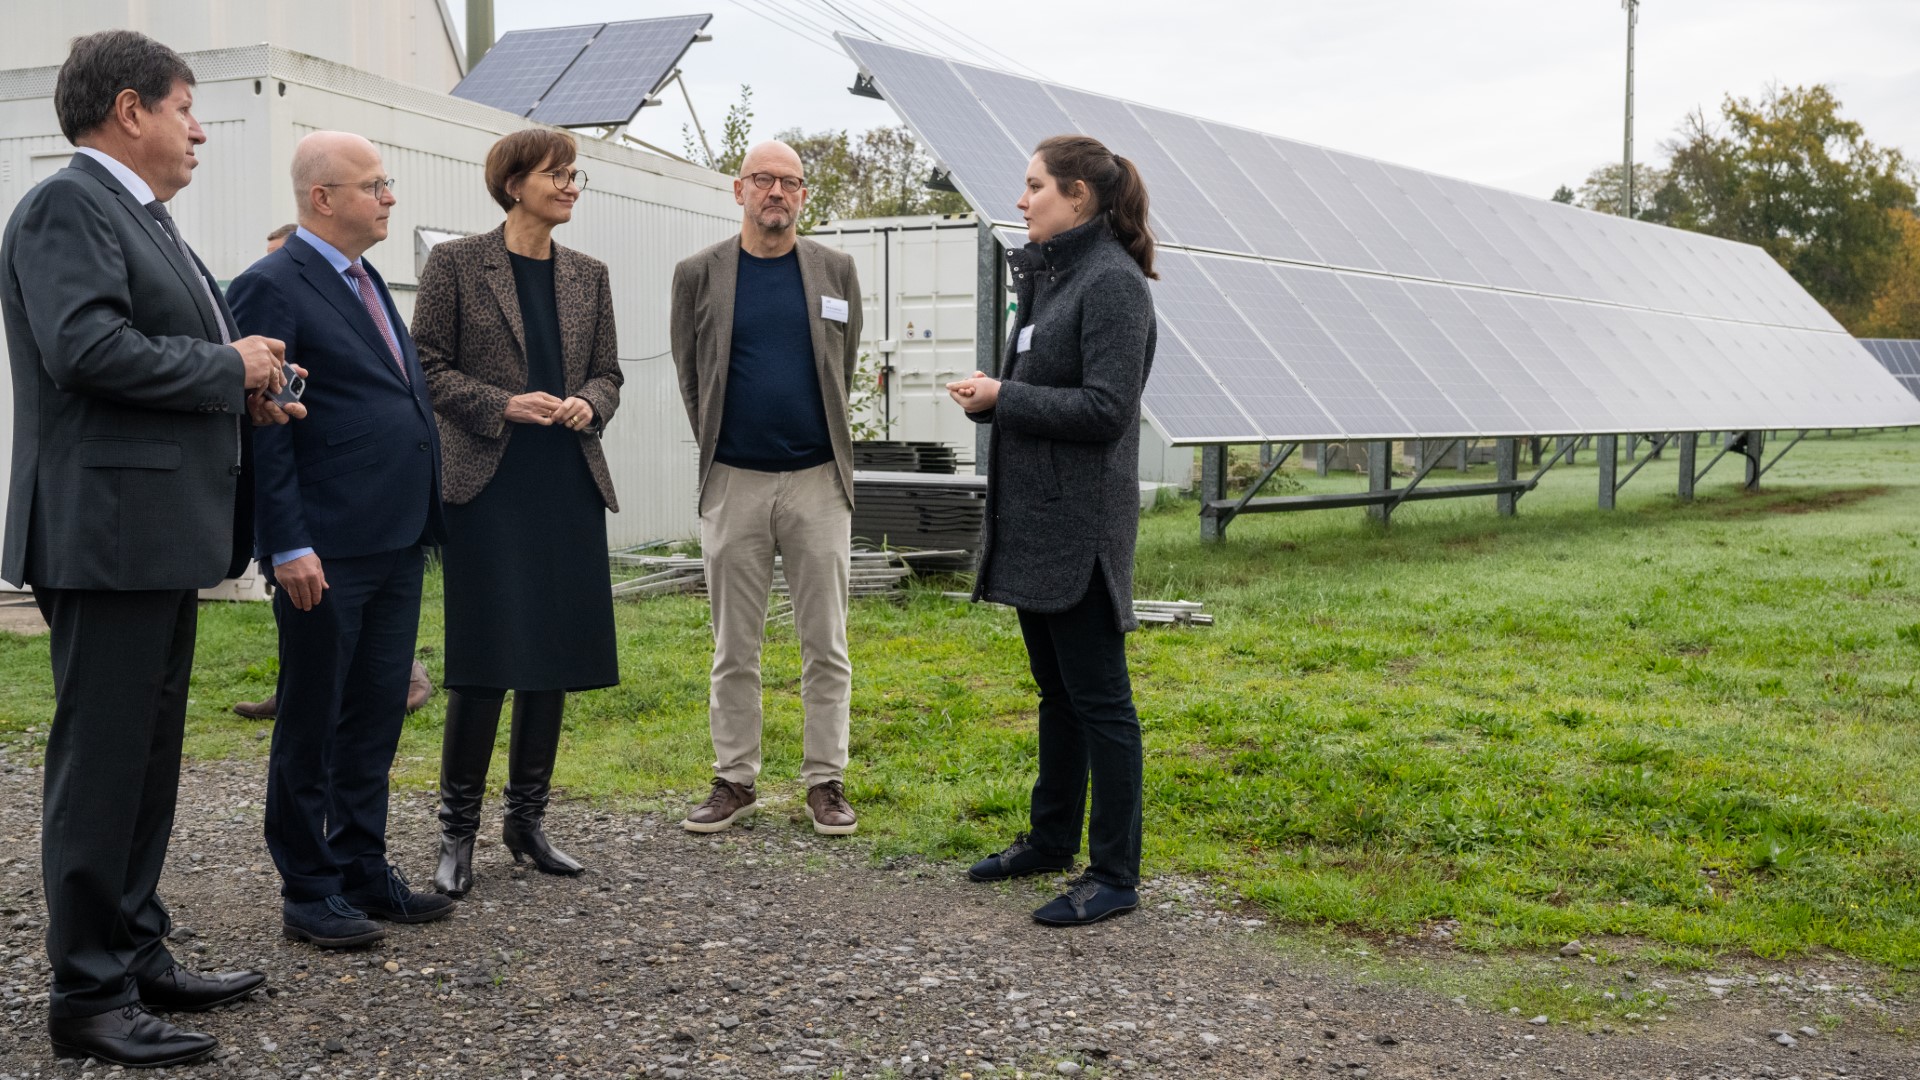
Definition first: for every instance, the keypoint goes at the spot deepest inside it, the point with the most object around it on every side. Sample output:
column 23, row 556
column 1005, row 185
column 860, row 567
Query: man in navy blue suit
column 342, row 509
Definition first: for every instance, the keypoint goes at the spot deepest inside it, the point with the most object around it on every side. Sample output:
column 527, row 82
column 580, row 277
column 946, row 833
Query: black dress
column 528, row 602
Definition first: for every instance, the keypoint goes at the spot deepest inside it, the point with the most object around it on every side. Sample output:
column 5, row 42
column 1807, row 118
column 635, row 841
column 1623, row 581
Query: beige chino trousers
column 746, row 517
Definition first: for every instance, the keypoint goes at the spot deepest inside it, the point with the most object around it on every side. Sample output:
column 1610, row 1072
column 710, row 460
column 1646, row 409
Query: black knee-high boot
column 530, row 753
column 466, row 749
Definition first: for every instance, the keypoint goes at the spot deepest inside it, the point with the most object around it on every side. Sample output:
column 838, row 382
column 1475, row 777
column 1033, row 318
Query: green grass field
column 1688, row 730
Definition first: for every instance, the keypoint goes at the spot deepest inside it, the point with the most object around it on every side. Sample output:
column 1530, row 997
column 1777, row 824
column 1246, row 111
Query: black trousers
column 1088, row 728
column 344, row 667
column 120, row 667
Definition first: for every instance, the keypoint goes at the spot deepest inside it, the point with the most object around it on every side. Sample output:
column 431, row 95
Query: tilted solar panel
column 594, row 75
column 1312, row 294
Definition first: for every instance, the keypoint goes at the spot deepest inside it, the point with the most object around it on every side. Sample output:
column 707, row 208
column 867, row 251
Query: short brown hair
column 284, row 230
column 522, row 152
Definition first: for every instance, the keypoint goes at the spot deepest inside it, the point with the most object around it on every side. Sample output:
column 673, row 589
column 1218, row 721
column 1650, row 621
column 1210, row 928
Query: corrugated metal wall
column 642, row 214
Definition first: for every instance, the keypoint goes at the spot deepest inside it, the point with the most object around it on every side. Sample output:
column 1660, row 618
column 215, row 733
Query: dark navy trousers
column 344, row 667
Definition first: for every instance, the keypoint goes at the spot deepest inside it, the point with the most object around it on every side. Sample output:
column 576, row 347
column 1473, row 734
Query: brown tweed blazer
column 467, row 326
column 702, row 333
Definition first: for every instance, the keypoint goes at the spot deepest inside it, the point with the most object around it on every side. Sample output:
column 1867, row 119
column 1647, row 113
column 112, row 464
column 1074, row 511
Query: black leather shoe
column 395, row 901
column 1087, row 901
column 331, row 923
column 1020, row 859
column 129, row 1036
column 180, row 990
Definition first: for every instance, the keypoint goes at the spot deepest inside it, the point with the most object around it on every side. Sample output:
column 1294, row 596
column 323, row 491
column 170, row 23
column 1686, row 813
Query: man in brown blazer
column 766, row 333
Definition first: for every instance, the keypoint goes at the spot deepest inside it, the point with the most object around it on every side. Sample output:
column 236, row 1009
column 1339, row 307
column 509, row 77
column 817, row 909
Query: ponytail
column 1116, row 186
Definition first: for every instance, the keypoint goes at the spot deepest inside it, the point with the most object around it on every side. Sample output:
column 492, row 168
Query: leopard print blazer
column 472, row 343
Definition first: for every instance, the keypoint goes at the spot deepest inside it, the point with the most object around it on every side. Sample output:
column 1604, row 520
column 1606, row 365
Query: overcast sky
column 1522, row 94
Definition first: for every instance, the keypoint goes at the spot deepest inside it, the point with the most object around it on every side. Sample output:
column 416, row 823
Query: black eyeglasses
column 789, row 184
column 562, row 177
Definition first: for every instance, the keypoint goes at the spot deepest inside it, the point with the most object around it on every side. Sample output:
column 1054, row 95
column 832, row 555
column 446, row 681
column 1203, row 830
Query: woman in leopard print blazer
column 517, row 340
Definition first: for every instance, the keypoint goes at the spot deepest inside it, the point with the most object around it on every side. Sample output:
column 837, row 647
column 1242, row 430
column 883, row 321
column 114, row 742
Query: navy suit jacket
column 361, row 474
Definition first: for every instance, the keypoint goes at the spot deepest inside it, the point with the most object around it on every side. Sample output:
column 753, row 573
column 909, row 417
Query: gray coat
column 126, row 407
column 702, row 335
column 1063, row 491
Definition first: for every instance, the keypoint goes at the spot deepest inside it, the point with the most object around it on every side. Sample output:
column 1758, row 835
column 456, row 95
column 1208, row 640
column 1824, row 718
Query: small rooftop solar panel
column 523, row 65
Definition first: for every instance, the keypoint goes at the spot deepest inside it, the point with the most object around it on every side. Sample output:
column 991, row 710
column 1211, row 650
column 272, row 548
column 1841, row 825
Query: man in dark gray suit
column 128, row 384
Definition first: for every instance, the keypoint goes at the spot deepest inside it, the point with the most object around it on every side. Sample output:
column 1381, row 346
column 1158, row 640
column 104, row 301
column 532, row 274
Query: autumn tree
column 879, row 173
column 1601, row 189
column 1791, row 174
column 1895, row 311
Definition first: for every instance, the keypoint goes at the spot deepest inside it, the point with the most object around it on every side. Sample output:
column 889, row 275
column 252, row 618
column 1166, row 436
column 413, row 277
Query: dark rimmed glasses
column 789, row 184
column 562, row 177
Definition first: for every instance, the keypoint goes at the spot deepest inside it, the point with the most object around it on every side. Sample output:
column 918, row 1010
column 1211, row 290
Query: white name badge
column 1026, row 339
column 833, row 308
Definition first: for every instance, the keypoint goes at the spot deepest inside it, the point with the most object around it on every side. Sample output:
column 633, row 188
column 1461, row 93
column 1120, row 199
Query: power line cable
column 996, row 53
column 802, row 35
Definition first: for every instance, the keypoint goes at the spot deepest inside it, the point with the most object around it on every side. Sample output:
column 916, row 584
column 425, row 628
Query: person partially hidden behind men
column 766, row 329
column 343, row 507
column 127, row 497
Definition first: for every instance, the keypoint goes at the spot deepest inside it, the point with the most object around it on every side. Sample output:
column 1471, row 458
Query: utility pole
column 1626, row 177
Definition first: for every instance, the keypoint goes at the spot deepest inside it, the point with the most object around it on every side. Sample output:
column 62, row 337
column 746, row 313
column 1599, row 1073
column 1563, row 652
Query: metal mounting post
column 1753, row 448
column 1689, row 450
column 1781, row 454
column 1213, row 487
column 1506, row 453
column 1606, row 450
column 1320, row 461
column 1380, row 478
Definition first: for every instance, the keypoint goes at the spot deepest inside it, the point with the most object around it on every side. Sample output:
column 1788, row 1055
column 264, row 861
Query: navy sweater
column 774, row 419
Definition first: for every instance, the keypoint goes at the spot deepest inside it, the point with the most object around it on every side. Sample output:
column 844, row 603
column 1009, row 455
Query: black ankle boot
column 465, row 752
column 530, row 753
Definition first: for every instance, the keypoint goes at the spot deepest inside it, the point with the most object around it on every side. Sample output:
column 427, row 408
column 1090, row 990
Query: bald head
column 329, row 157
column 772, row 156
column 340, row 187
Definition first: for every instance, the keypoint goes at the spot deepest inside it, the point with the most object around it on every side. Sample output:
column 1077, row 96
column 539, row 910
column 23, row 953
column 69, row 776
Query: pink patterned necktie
column 376, row 311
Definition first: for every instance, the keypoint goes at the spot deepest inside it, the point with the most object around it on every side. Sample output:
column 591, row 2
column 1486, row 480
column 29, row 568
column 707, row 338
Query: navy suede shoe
column 1087, row 901
column 330, row 923
column 1019, row 860
column 393, row 900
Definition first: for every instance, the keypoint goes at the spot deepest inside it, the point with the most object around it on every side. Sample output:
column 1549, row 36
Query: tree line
column 1792, row 174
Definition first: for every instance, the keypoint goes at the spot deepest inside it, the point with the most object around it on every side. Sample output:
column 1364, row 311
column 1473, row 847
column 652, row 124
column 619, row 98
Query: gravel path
column 767, row 952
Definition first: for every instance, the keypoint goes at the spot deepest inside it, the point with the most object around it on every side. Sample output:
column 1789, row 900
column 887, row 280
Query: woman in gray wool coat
column 1063, row 509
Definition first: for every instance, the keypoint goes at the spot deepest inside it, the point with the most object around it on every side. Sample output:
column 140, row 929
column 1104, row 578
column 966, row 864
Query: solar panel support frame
column 1689, row 452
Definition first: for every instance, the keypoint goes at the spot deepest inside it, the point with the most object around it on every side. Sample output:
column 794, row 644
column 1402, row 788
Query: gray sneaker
column 726, row 804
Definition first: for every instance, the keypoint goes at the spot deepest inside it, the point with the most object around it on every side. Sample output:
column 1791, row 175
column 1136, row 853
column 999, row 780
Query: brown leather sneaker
column 419, row 687
column 827, row 805
column 259, row 710
column 726, row 804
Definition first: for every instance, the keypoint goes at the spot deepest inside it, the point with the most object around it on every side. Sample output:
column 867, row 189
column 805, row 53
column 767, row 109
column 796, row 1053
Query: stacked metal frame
column 1310, row 294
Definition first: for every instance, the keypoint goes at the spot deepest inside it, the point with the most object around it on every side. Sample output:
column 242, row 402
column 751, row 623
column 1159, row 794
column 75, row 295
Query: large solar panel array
column 1311, row 294
column 581, row 76
column 1901, row 358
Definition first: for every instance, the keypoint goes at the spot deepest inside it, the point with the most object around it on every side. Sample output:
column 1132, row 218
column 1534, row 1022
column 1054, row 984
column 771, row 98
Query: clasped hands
column 975, row 394
column 546, row 410
column 265, row 362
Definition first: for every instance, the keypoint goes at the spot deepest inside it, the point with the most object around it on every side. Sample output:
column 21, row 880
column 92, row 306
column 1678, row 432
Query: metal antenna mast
column 1632, row 8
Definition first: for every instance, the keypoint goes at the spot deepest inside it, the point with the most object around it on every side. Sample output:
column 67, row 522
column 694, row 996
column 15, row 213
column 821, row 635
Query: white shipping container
column 642, row 213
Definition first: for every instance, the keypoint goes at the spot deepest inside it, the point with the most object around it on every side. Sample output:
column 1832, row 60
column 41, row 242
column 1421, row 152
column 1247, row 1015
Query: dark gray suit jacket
column 1063, row 477
column 126, row 408
column 702, row 333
